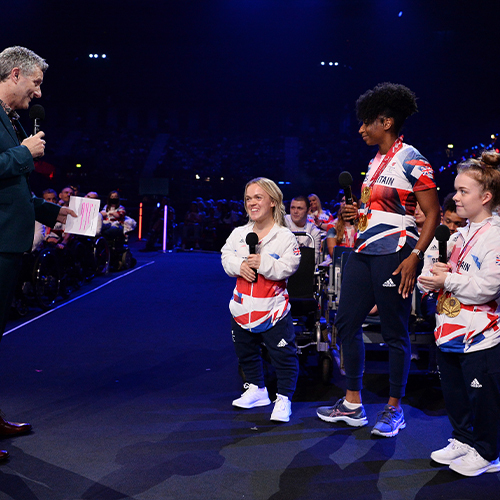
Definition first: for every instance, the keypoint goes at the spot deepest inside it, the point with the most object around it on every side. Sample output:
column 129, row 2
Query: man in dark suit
column 21, row 75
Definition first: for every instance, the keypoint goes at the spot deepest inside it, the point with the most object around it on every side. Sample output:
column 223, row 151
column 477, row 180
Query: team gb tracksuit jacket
column 476, row 284
column 259, row 306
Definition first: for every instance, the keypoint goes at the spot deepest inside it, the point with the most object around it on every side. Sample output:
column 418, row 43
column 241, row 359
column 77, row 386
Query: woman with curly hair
column 388, row 251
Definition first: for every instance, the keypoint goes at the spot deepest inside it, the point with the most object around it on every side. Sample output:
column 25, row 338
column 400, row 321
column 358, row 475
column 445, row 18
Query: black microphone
column 442, row 234
column 345, row 180
column 37, row 114
column 252, row 240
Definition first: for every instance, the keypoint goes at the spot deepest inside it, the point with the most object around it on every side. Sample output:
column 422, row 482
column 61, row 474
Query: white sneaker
column 454, row 450
column 473, row 464
column 252, row 397
column 282, row 409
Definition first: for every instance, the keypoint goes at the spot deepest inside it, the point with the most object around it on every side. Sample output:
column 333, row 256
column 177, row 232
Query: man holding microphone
column 21, row 75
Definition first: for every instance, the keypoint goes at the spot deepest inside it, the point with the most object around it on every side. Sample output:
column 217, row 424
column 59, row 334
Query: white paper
column 87, row 210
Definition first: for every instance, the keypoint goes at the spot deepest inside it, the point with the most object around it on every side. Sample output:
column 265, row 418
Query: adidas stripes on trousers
column 471, row 391
column 280, row 343
column 367, row 280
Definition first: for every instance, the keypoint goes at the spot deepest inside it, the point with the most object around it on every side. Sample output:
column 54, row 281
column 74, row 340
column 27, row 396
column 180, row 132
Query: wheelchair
column 313, row 331
column 121, row 257
column 50, row 272
column 420, row 330
column 39, row 282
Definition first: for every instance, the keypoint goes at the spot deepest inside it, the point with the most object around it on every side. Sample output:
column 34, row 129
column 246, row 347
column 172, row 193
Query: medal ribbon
column 458, row 255
column 398, row 144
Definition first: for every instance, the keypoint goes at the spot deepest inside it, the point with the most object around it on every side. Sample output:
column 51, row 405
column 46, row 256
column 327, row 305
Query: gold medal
column 439, row 305
column 362, row 223
column 451, row 307
column 365, row 194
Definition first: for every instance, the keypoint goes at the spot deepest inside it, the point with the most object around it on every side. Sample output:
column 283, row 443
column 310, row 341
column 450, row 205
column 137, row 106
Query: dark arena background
column 128, row 381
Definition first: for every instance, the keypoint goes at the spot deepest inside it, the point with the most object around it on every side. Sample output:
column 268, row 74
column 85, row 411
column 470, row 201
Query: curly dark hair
column 390, row 100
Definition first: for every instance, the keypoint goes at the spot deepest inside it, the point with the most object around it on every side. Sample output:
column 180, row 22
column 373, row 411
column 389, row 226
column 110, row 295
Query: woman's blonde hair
column 274, row 193
column 316, row 197
column 485, row 171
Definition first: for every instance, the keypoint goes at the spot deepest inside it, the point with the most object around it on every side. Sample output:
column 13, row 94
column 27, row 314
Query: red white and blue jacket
column 391, row 214
column 259, row 306
column 476, row 284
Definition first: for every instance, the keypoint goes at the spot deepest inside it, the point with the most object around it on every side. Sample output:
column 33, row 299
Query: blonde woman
column 259, row 307
column 322, row 218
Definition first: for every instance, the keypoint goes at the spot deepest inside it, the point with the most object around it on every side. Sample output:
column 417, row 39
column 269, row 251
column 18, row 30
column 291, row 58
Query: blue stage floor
column 129, row 391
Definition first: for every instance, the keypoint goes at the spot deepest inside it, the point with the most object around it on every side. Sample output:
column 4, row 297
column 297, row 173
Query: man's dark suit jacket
column 18, row 207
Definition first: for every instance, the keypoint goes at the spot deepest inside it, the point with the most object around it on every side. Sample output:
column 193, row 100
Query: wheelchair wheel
column 76, row 264
column 326, row 369
column 127, row 261
column 20, row 307
column 46, row 279
column 102, row 256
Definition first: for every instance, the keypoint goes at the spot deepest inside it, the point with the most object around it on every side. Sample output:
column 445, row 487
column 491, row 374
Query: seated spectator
column 51, row 196
column 297, row 222
column 113, row 217
column 39, row 236
column 55, row 236
column 226, row 220
column 450, row 217
column 317, row 215
column 342, row 232
column 193, row 222
column 65, row 195
column 76, row 190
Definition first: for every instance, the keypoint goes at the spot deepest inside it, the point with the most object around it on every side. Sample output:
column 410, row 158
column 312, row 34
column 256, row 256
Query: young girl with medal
column 262, row 255
column 388, row 250
column 468, row 322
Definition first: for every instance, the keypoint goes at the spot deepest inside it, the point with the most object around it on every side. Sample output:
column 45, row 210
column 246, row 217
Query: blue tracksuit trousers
column 367, row 280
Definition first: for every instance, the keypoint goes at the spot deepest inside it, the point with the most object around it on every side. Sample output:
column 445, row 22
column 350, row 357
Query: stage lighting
column 322, row 63
column 104, row 56
column 400, row 14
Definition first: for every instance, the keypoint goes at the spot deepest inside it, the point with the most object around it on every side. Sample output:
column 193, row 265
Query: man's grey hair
column 19, row 57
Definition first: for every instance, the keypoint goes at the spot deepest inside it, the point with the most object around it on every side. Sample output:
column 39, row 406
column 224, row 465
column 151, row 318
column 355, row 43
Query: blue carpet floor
column 129, row 389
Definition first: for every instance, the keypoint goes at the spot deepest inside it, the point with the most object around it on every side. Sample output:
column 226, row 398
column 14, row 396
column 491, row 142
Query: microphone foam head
column 345, row 179
column 442, row 233
column 37, row 111
column 252, row 239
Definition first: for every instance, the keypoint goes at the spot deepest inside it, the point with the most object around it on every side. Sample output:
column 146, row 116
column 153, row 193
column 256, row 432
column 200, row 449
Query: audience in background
column 317, row 215
column 65, row 195
column 297, row 222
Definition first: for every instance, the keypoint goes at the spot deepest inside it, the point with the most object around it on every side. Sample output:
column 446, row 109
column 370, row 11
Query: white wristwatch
column 418, row 253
